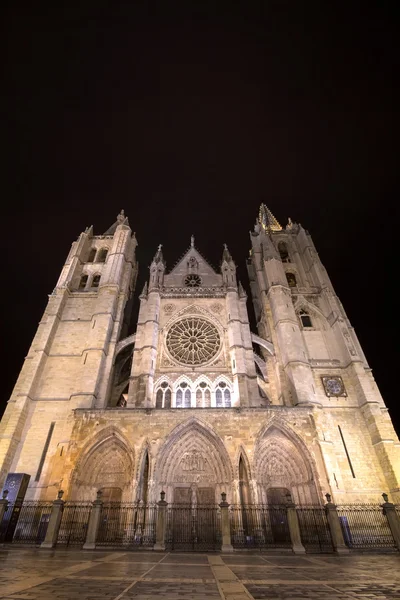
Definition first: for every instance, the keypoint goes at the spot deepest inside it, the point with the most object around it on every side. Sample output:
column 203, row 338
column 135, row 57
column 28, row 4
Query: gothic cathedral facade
column 194, row 403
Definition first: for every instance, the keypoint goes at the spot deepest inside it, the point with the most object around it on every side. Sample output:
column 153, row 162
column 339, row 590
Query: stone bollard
column 54, row 523
column 3, row 505
column 294, row 527
column 389, row 511
column 94, row 523
column 225, row 525
column 161, row 526
column 338, row 542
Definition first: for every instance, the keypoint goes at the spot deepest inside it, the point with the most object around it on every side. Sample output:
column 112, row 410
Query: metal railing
column 193, row 527
column 259, row 526
column 365, row 526
column 314, row 529
column 198, row 527
column 74, row 523
column 125, row 524
column 26, row 523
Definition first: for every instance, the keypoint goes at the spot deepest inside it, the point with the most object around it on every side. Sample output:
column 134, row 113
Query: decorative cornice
column 192, row 292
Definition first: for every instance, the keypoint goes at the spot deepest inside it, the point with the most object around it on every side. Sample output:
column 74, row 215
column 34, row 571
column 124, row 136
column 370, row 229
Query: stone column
column 54, row 523
column 225, row 525
column 94, row 523
column 3, row 505
column 161, row 523
column 338, row 542
column 394, row 521
column 294, row 529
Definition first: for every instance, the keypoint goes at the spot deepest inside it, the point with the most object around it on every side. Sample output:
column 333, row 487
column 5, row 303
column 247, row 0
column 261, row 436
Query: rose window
column 192, row 280
column 193, row 341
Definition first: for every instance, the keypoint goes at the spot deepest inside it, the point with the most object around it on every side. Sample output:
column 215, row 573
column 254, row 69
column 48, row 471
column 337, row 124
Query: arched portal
column 194, row 466
column 284, row 466
column 106, row 465
column 244, row 486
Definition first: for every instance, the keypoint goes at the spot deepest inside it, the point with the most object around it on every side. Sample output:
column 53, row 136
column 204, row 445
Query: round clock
column 333, row 386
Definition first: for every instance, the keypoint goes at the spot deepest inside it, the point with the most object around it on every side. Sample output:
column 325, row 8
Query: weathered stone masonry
column 194, row 402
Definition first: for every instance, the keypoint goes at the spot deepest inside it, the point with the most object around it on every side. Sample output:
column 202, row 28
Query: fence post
column 338, row 542
column 161, row 523
column 54, row 523
column 294, row 528
column 3, row 505
column 225, row 525
column 94, row 523
column 389, row 511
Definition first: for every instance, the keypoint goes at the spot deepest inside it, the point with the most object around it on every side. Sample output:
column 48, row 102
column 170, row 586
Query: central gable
column 193, row 263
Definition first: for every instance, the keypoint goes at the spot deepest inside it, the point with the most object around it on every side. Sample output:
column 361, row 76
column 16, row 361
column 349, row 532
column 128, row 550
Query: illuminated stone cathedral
column 195, row 403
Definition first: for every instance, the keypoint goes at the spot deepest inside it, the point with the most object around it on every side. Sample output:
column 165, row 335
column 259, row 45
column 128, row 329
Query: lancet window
column 83, row 282
column 102, row 255
column 291, row 279
column 222, row 395
column 305, row 319
column 163, row 396
column 203, row 395
column 96, row 281
column 183, row 397
column 283, row 252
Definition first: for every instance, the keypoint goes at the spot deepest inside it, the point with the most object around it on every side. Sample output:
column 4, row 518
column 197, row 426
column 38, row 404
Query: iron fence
column 32, row 522
column 193, row 527
column 365, row 526
column 198, row 527
column 74, row 523
column 314, row 529
column 259, row 526
column 4, row 525
column 127, row 524
column 25, row 523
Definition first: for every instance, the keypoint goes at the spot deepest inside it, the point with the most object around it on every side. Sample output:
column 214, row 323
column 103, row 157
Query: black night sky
column 189, row 116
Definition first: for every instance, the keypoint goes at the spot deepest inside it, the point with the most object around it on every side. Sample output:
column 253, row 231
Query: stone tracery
column 107, row 463
column 281, row 462
column 193, row 455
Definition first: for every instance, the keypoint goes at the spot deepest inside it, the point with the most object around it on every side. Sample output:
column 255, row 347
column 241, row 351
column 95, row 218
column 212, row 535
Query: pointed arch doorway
column 194, row 469
column 284, row 469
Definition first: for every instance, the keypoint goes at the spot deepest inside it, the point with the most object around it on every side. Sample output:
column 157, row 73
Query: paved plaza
column 36, row 574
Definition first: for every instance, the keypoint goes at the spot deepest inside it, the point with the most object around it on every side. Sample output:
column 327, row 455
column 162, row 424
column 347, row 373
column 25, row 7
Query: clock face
column 334, row 386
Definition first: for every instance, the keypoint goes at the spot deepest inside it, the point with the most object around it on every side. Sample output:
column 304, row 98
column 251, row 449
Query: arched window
column 183, row 396
column 92, row 254
column 283, row 252
column 96, row 281
column 203, row 395
column 83, row 282
column 163, row 396
column 305, row 319
column 222, row 395
column 102, row 255
column 291, row 279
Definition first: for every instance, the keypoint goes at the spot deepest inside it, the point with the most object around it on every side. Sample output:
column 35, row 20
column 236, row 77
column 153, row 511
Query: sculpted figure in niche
column 192, row 263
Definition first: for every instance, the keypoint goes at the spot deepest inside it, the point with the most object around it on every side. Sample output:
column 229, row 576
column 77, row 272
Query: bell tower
column 68, row 364
column 318, row 359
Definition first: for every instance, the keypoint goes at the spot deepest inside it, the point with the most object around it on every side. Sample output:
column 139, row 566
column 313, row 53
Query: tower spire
column 267, row 219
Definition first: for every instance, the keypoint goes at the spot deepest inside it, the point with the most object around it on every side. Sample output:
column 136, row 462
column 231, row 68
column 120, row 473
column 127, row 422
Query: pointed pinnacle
column 267, row 219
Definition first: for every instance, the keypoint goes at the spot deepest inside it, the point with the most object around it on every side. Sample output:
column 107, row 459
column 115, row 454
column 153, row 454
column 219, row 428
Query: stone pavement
column 36, row 574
